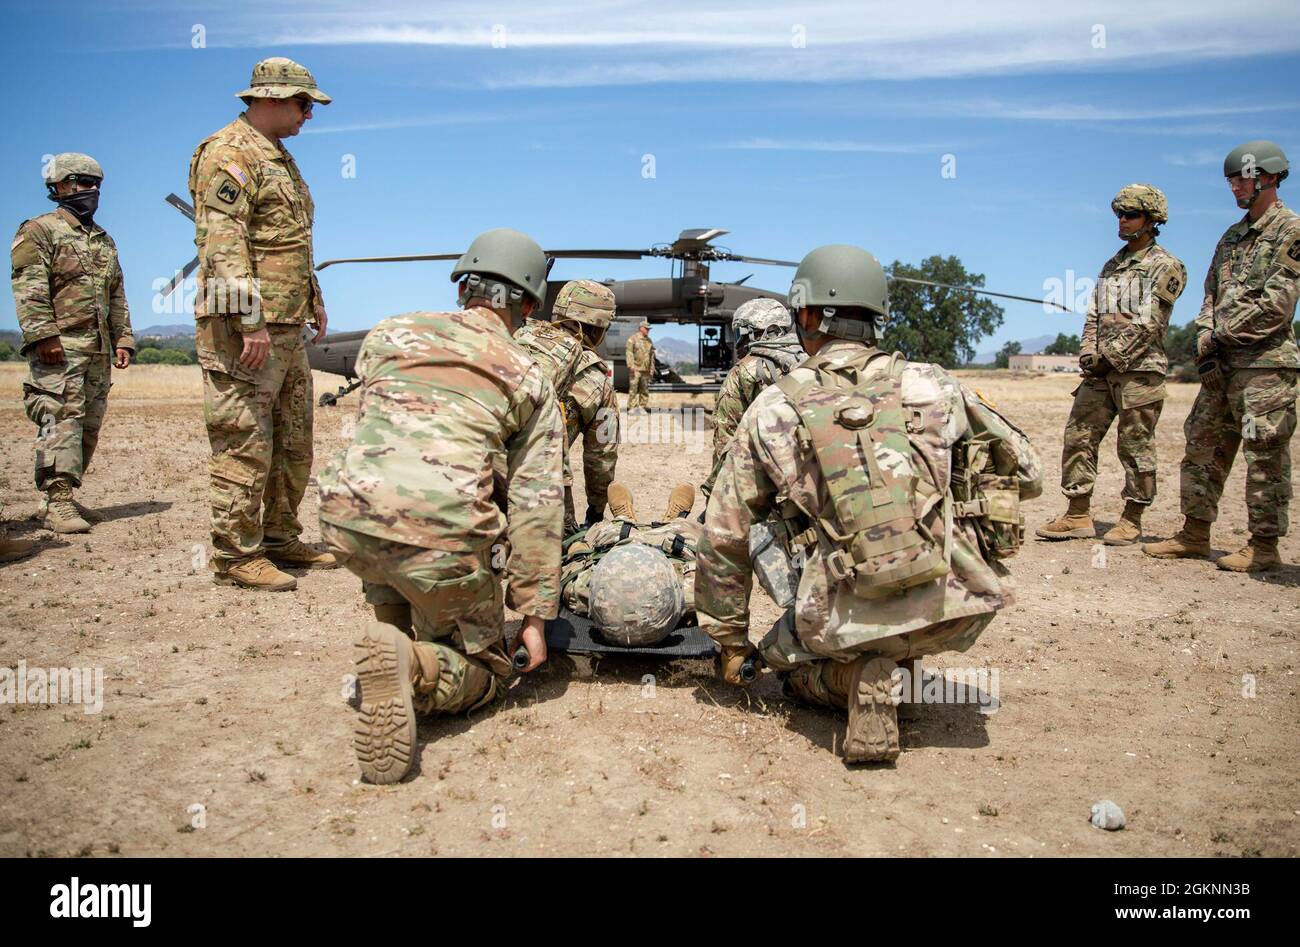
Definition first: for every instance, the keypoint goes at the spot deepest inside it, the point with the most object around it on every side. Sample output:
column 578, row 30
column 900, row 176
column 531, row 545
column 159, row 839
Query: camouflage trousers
column 67, row 403
column 638, row 389
column 456, row 614
column 1137, row 398
column 806, row 682
column 260, row 428
column 1254, row 409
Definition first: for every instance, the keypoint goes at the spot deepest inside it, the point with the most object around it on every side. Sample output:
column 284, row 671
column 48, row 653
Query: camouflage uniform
column 253, row 225
column 771, row 471
column 583, row 387
column 677, row 539
column 765, row 362
column 457, row 449
column 1126, row 324
column 67, row 284
column 640, row 355
column 1250, row 300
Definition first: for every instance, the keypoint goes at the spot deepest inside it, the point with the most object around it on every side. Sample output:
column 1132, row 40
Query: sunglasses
column 1128, row 214
column 86, row 180
column 305, row 105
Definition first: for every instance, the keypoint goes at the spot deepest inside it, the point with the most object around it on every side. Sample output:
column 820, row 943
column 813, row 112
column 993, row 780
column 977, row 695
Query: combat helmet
column 762, row 318
column 62, row 166
column 281, row 78
column 636, row 595
column 589, row 303
column 840, row 276
column 1146, row 198
column 1255, row 156
column 514, row 258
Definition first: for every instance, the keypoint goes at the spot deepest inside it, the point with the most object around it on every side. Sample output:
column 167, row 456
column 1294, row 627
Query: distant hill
column 678, row 350
column 166, row 332
column 1027, row 346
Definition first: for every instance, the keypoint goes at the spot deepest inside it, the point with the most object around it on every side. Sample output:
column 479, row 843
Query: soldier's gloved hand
column 50, row 351
column 594, row 515
column 730, row 661
column 1205, row 344
column 1211, row 373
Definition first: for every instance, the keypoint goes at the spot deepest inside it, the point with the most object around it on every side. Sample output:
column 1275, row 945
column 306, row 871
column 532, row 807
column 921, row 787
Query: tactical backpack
column 985, row 486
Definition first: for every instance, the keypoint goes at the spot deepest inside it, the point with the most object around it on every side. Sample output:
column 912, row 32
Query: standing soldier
column 640, row 355
column 253, row 220
column 1124, row 365
column 566, row 348
column 898, row 491
column 771, row 350
column 76, row 328
column 1248, row 360
column 457, row 448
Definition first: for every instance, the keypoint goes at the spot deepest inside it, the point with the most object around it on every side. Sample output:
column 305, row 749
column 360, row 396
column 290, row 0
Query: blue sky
column 791, row 127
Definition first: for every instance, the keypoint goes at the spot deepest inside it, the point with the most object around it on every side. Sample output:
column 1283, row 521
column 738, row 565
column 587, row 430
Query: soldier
column 1248, row 360
column 76, row 328
column 771, row 349
column 458, row 439
column 897, row 490
column 566, row 348
column 253, row 222
column 640, row 355
column 1124, row 365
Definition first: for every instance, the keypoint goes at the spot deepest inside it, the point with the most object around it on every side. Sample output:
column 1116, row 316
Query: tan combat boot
column 90, row 516
column 256, row 573
column 1190, row 542
column 61, row 513
column 1129, row 528
column 620, row 502
column 1259, row 555
column 872, row 733
column 384, row 738
column 11, row 550
column 680, row 501
column 1075, row 524
column 301, row 556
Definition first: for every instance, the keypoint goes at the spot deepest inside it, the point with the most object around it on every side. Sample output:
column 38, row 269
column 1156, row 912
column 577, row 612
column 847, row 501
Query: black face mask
column 81, row 203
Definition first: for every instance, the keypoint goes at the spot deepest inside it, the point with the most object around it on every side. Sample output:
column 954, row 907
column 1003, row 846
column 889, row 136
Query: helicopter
column 686, row 297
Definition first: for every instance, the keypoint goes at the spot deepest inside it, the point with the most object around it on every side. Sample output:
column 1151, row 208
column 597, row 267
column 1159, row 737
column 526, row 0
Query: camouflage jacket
column 552, row 348
column 771, row 463
column 458, row 440
column 591, row 411
column 1129, row 312
column 640, row 353
column 67, row 283
column 1251, row 291
column 765, row 363
column 253, row 220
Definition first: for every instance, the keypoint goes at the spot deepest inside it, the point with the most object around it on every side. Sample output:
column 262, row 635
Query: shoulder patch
column 224, row 192
column 1170, row 286
column 1289, row 256
column 22, row 252
column 236, row 172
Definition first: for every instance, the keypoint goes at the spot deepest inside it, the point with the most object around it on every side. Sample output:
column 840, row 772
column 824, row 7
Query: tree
column 930, row 324
column 6, row 351
column 1003, row 359
column 1064, row 345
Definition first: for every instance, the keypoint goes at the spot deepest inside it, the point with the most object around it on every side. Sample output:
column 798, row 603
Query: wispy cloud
column 776, row 144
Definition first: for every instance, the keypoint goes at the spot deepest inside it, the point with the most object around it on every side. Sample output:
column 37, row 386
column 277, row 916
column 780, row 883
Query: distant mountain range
column 166, row 332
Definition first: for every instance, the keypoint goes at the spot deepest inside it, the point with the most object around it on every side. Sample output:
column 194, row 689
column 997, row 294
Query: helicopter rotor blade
column 981, row 292
column 411, row 258
column 737, row 258
column 179, row 278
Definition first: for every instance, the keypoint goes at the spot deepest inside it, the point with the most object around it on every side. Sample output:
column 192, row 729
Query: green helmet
column 840, row 275
column 585, row 301
column 1146, row 198
column 1255, row 156
column 512, row 256
column 71, row 162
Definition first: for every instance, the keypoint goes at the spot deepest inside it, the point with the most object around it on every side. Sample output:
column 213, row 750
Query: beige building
column 1038, row 362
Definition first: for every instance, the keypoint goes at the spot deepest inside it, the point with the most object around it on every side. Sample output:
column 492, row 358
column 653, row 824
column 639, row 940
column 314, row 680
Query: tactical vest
column 881, row 487
column 984, row 483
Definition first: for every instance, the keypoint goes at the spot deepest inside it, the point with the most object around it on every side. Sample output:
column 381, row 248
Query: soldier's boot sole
column 384, row 738
column 1177, row 549
column 872, row 734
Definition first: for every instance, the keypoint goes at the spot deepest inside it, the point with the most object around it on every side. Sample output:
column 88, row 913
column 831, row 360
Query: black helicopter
column 687, row 297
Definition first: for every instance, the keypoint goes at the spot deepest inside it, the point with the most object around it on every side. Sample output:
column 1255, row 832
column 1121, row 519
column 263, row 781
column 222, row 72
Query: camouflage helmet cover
column 585, row 301
column 760, row 316
column 508, row 254
column 636, row 595
column 281, row 78
column 1146, row 198
column 71, row 162
column 1255, row 156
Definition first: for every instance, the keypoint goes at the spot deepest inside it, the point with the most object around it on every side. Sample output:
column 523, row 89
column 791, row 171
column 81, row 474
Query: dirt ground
column 1168, row 687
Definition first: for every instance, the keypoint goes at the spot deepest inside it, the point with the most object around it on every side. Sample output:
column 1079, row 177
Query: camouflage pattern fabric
column 260, row 431
column 67, row 404
column 765, row 362
column 771, row 468
column 458, row 441
column 677, row 539
column 67, row 282
column 636, row 596
column 1130, row 308
column 1255, row 409
column 638, row 390
column 1137, row 399
column 640, row 357
column 253, row 224
column 554, row 349
column 591, row 412
column 1251, row 291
